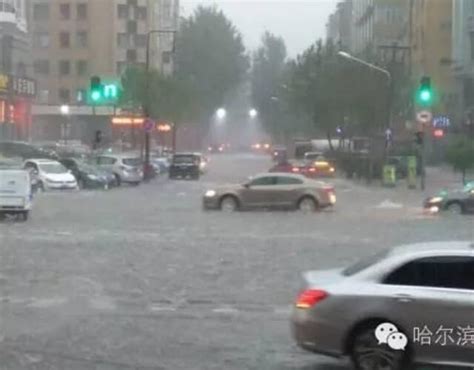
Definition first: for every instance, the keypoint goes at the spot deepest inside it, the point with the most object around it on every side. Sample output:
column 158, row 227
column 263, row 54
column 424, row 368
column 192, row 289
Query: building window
column 64, row 40
column 81, row 11
column 41, row 40
column 41, row 12
column 132, row 3
column 64, row 67
column 81, row 96
column 167, row 9
column 65, row 11
column 64, row 95
column 41, row 67
column 81, row 39
column 122, row 40
column 131, row 55
column 166, row 57
column 141, row 13
column 122, row 11
column 132, row 27
column 81, row 67
column 140, row 41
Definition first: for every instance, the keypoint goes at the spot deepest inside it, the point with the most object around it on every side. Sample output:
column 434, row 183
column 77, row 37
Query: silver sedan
column 411, row 304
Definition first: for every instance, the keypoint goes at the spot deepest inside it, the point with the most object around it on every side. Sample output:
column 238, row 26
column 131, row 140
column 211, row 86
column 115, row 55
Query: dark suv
column 185, row 165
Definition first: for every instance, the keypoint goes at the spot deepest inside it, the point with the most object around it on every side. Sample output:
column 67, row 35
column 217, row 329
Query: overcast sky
column 299, row 22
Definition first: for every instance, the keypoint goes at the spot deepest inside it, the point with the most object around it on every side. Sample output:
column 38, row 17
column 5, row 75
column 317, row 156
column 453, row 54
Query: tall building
column 463, row 57
column 76, row 39
column 17, row 89
column 339, row 26
column 379, row 22
column 431, row 50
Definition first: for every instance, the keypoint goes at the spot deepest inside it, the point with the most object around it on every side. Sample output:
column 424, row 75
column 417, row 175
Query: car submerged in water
column 457, row 201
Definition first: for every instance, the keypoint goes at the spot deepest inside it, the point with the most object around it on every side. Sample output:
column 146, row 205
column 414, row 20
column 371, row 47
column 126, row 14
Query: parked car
column 127, row 168
column 185, row 165
column 15, row 192
column 203, row 161
column 409, row 292
column 25, row 150
column 51, row 175
column 272, row 190
column 163, row 163
column 456, row 201
column 89, row 176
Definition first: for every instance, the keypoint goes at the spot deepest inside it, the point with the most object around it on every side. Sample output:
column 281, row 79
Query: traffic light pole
column 146, row 103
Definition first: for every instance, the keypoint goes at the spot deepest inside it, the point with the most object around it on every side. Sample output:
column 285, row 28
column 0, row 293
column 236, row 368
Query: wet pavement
column 143, row 278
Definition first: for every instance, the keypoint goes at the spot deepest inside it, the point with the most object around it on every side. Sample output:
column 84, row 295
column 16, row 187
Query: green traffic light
column 95, row 96
column 425, row 96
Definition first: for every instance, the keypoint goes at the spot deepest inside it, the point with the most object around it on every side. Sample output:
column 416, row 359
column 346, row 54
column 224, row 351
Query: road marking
column 388, row 204
column 47, row 302
column 162, row 308
column 225, row 310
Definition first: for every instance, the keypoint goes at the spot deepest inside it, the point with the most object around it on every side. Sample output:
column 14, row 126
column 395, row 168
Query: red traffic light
column 438, row 133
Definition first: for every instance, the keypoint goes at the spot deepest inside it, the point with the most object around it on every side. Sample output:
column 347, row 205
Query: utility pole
column 146, row 103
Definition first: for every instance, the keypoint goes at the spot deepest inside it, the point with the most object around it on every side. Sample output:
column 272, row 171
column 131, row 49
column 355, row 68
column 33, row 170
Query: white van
column 15, row 192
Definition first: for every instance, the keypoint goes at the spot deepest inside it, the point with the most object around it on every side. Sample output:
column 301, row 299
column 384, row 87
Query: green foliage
column 168, row 97
column 460, row 155
column 210, row 55
column 267, row 79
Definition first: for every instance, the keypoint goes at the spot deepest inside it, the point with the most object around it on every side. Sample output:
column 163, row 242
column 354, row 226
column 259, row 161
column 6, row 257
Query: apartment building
column 339, row 26
column 379, row 22
column 463, row 59
column 431, row 50
column 76, row 39
column 17, row 88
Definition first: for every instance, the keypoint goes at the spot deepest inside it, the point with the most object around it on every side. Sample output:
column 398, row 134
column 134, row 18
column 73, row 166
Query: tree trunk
column 464, row 176
column 328, row 135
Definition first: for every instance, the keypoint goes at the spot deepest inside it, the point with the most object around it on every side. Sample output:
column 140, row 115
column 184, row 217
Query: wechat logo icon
column 387, row 333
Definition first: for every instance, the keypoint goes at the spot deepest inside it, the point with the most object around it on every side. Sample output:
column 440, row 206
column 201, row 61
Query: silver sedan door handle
column 405, row 298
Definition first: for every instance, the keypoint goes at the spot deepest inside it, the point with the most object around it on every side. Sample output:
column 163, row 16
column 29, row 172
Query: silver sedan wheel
column 307, row 205
column 228, row 205
column 368, row 354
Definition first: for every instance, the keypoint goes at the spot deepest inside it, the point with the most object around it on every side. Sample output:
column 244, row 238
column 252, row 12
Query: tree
column 167, row 97
column 268, row 67
column 460, row 155
column 210, row 55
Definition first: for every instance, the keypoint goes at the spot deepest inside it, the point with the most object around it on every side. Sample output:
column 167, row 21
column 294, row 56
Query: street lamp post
column 146, row 105
column 388, row 108
column 64, row 109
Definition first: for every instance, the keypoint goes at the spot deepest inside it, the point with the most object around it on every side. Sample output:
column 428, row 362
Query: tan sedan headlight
column 210, row 193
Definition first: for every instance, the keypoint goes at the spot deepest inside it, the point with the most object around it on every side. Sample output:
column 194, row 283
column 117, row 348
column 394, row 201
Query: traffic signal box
column 425, row 93
column 102, row 93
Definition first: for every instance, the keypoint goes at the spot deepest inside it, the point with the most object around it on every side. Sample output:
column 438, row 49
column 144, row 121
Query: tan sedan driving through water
column 272, row 190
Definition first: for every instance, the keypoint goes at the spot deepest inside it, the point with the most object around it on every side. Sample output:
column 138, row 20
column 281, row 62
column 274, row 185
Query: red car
column 312, row 170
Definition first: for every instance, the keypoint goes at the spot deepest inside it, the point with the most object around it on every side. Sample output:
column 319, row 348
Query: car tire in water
column 455, row 208
column 307, row 205
column 366, row 353
column 229, row 204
